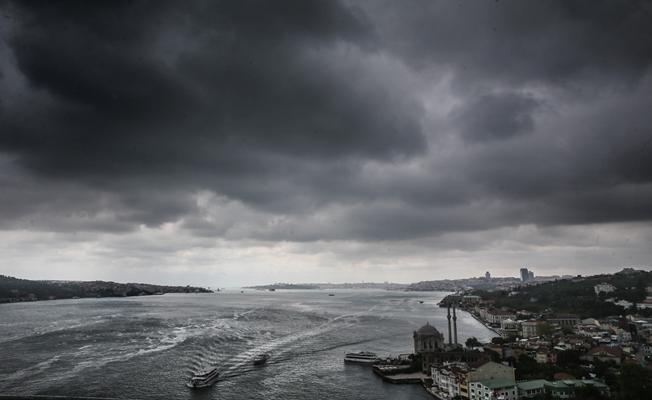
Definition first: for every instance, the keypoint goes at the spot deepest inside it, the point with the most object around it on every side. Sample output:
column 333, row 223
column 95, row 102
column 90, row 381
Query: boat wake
column 285, row 348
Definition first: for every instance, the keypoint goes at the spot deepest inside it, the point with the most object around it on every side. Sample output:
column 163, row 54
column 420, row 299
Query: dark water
column 148, row 347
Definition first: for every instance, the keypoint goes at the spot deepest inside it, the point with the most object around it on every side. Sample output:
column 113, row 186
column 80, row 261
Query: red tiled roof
column 612, row 351
column 560, row 376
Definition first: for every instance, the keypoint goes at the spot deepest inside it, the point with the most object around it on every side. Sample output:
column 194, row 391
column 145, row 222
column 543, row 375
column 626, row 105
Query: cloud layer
column 307, row 122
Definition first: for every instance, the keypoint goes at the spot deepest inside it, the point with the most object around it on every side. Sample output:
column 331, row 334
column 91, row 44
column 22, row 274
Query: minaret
column 450, row 338
column 454, row 324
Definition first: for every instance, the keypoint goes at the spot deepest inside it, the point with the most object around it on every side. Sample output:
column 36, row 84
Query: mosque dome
column 428, row 330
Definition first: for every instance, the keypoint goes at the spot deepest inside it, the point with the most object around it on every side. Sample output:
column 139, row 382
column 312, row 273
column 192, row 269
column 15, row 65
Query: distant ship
column 361, row 357
column 331, row 294
column 203, row 379
column 420, row 301
column 272, row 290
column 261, row 359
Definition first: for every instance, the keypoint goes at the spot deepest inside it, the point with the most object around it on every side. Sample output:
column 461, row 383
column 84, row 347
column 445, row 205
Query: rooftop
column 570, row 383
column 533, row 384
column 606, row 350
column 498, row 383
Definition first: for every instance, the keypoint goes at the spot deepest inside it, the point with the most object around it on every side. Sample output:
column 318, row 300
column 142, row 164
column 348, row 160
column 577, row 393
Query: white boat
column 203, row 379
column 361, row 357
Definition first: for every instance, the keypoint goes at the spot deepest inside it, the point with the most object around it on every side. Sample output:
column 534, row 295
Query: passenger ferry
column 203, row 379
column 361, row 357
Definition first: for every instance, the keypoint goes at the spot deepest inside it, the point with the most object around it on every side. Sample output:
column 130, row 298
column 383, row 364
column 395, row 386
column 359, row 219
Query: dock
column 399, row 374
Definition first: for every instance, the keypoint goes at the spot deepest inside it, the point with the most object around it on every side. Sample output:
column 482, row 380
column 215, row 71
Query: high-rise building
column 525, row 274
column 487, row 275
column 530, row 276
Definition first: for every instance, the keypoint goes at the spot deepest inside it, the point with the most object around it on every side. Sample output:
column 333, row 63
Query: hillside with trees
column 15, row 289
column 577, row 295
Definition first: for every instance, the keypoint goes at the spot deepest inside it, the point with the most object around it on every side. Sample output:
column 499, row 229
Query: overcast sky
column 225, row 143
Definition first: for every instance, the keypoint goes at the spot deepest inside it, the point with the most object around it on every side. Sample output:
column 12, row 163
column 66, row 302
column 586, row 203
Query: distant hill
column 576, row 295
column 284, row 286
column 326, row 286
column 15, row 289
column 452, row 285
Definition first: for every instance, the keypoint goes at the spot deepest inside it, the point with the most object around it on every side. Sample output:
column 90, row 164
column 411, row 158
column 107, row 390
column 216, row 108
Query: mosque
column 431, row 348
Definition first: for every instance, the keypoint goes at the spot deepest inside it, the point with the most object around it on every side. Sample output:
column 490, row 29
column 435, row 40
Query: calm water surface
column 148, row 347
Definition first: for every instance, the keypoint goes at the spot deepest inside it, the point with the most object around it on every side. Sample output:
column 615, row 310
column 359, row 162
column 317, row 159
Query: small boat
column 420, row 301
column 361, row 357
column 203, row 379
column 331, row 294
column 261, row 359
column 272, row 290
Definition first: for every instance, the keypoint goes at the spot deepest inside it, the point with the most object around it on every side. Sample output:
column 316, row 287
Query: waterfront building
column 529, row 389
column 498, row 316
column 427, row 341
column 564, row 320
column 509, row 327
column 493, row 389
column 450, row 379
column 492, row 370
column 566, row 389
column 530, row 329
column 558, row 389
column 603, row 288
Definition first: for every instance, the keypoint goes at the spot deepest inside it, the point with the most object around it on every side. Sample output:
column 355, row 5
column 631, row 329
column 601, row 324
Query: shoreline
column 484, row 323
column 96, row 297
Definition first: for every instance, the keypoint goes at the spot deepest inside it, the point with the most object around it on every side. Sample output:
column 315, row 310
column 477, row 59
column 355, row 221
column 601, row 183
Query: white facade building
column 604, row 288
column 449, row 380
column 530, row 329
column 493, row 389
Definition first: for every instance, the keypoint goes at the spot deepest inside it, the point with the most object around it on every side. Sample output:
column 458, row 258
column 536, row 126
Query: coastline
column 21, row 301
column 484, row 323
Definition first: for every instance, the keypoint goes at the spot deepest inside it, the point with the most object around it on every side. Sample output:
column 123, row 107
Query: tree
column 545, row 329
column 497, row 340
column 589, row 393
column 472, row 342
column 569, row 358
column 635, row 382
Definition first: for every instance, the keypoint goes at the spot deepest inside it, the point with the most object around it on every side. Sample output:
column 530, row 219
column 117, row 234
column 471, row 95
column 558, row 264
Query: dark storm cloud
column 307, row 120
column 155, row 86
column 519, row 41
column 496, row 116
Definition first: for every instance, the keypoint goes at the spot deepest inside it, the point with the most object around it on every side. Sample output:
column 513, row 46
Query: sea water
column 148, row 347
